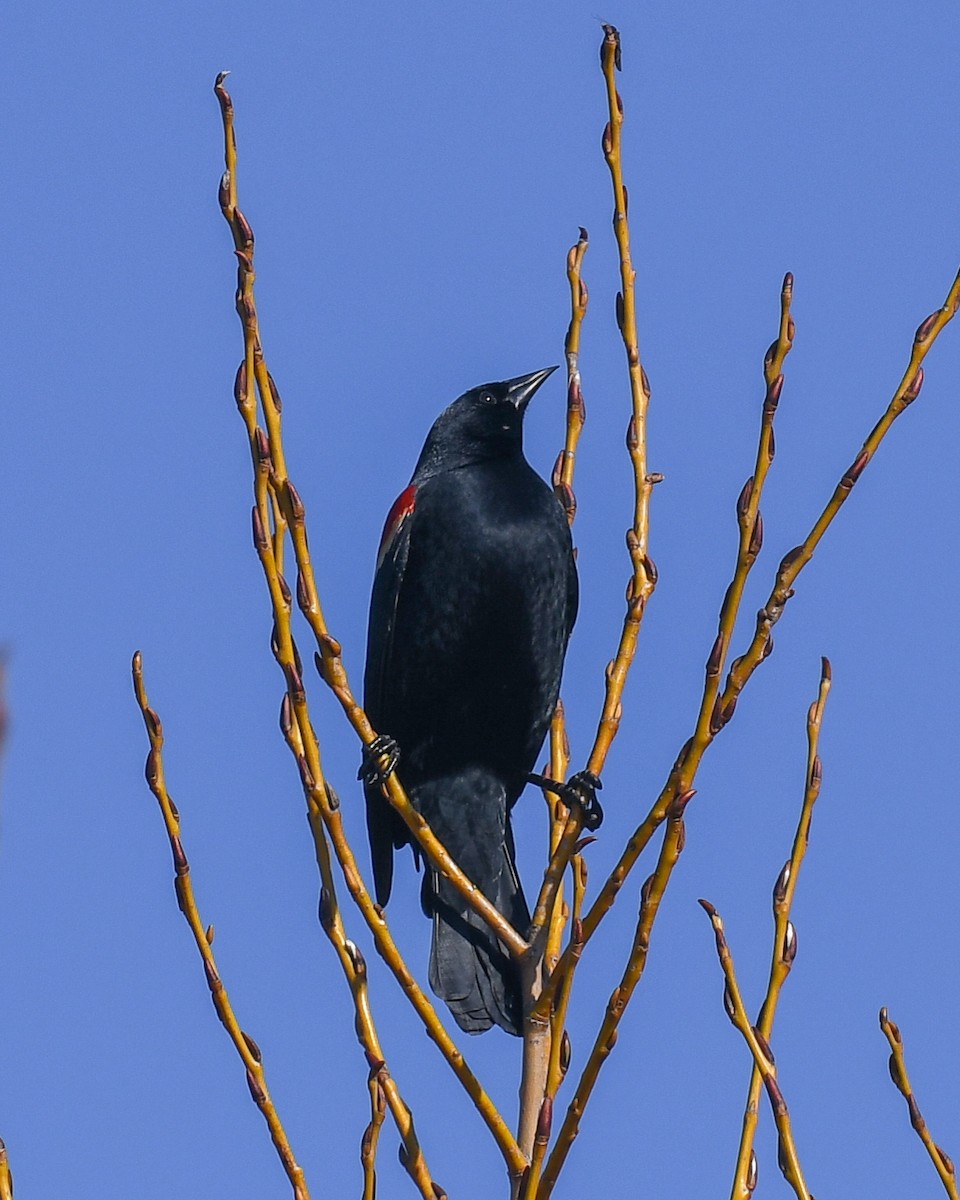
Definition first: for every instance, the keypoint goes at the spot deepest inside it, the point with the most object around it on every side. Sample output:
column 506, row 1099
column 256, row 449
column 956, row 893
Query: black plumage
column 473, row 602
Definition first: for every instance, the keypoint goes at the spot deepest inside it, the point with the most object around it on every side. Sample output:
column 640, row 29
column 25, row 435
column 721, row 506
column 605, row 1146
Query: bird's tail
column 469, row 967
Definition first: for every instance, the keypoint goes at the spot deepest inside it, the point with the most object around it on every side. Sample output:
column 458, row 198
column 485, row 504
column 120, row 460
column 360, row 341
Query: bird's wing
column 384, row 827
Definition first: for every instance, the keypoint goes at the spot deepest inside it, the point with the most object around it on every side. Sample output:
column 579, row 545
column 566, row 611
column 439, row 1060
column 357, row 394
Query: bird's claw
column 580, row 791
column 379, row 760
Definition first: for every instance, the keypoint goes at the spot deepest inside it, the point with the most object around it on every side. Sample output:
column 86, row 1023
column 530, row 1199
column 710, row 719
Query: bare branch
column 245, row 1046
column 784, row 936
column 898, row 1073
column 762, row 1058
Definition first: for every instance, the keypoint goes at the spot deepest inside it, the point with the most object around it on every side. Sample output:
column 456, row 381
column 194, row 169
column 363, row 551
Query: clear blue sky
column 415, row 175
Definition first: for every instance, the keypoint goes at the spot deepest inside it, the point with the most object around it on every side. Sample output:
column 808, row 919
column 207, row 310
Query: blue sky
column 415, row 175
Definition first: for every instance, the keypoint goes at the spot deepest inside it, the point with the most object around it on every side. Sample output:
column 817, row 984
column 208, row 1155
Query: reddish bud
column 855, row 470
column 296, row 504
column 240, row 385
column 256, row 1090
column 243, row 230
column 925, row 327
column 274, row 394
column 259, row 533
column 252, row 1047
column 912, row 390
column 743, row 500
column 780, row 887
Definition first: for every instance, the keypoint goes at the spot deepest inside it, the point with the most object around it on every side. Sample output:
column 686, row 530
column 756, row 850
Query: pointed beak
column 520, row 391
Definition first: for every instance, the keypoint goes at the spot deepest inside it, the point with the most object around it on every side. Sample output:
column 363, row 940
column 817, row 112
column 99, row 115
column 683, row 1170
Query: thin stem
column 6, row 1175
column 275, row 493
column 545, row 933
column 784, row 936
column 750, row 538
column 762, row 1057
column 650, row 897
column 898, row 1073
column 203, row 937
column 644, row 575
column 371, row 1136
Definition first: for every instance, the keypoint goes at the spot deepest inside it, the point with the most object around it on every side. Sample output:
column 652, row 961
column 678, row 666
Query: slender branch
column 784, row 937
column 287, row 507
column 750, row 526
column 684, row 770
column 898, row 1073
column 371, row 1136
column 545, row 932
column 650, row 897
column 762, row 1057
column 203, row 936
column 273, row 492
column 6, row 1175
column 644, row 576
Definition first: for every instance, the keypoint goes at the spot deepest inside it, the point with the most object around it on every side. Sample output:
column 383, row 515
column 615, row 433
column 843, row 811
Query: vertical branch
column 650, row 897
column 898, row 1073
column 245, row 1046
column 371, row 1136
column 277, row 500
column 550, row 912
column 644, row 576
column 784, row 937
column 762, row 1057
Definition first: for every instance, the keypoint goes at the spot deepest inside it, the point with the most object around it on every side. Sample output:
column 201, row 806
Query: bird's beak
column 520, row 391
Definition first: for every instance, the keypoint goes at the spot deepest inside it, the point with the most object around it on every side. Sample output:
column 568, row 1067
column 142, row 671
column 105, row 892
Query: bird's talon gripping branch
column 380, row 760
column 579, row 792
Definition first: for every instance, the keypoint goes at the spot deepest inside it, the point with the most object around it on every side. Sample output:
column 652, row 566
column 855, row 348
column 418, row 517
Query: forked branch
column 762, row 1058
column 784, row 937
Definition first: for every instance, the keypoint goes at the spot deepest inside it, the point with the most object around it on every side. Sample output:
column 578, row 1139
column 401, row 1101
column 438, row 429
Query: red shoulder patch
column 403, row 506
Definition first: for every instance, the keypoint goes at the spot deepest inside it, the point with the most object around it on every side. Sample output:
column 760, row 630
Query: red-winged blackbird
column 473, row 601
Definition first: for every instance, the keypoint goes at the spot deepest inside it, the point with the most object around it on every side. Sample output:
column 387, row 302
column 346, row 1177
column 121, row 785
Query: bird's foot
column 380, row 760
column 580, row 791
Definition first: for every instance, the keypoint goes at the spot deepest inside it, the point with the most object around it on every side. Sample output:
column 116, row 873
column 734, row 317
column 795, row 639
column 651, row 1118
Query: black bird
column 473, row 601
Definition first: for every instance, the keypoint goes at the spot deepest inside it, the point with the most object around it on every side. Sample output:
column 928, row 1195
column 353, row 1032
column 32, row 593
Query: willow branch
column 784, row 937
column 6, row 1175
column 898, row 1073
column 650, row 898
column 253, row 379
column 762, row 1058
column 750, row 527
column 273, row 491
column 245, row 1046
column 644, row 574
column 371, row 1136
column 688, row 762
column 549, row 918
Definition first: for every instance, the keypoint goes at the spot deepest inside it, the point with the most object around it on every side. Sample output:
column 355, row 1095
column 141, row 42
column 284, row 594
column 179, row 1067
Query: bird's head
column 484, row 423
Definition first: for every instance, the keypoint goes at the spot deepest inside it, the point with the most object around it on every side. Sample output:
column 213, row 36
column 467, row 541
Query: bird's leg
column 579, row 791
column 379, row 760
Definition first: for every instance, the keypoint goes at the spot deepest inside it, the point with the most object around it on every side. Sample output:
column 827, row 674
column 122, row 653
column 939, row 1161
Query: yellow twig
column 898, row 1073
column 287, row 509
column 371, row 1136
column 6, row 1176
column 688, row 761
column 203, row 936
column 749, row 521
column 275, row 492
column 650, row 897
column 784, row 937
column 644, row 576
column 762, row 1057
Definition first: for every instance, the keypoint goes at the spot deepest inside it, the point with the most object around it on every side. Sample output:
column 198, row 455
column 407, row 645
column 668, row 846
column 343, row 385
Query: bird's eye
column 487, row 398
